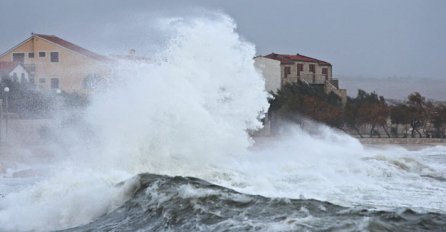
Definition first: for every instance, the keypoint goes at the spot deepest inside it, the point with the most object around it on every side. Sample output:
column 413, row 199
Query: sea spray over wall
column 185, row 111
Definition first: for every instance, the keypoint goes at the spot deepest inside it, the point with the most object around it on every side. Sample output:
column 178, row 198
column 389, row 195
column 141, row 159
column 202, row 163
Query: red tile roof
column 290, row 59
column 6, row 67
column 72, row 46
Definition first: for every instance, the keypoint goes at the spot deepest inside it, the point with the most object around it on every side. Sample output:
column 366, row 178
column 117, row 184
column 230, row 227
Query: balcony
column 313, row 78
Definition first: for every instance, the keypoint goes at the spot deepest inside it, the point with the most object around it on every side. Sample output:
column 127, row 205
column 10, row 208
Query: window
column 18, row 57
column 312, row 68
column 54, row 56
column 54, row 83
column 324, row 71
column 42, row 80
column 42, row 54
column 31, row 55
column 300, row 68
column 287, row 71
column 22, row 77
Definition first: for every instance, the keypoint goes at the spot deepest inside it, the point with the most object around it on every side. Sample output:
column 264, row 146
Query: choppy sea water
column 162, row 203
column 172, row 153
column 410, row 198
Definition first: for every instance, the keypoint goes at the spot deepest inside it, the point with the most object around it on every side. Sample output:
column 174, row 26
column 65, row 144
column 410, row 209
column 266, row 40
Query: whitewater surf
column 167, row 148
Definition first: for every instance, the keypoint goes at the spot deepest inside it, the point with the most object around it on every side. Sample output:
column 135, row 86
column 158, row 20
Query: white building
column 280, row 69
column 14, row 71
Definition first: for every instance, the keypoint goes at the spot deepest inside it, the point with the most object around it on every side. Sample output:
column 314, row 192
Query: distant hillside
column 397, row 88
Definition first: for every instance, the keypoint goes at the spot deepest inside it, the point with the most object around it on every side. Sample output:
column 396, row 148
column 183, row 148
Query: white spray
column 188, row 109
column 187, row 113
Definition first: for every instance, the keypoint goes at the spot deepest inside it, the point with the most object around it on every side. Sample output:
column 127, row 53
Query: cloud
column 367, row 38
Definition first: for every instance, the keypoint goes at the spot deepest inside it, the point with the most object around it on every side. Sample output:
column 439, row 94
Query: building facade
column 54, row 63
column 280, row 69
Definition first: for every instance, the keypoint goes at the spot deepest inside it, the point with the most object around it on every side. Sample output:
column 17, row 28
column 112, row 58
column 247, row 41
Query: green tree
column 399, row 115
column 25, row 100
column 439, row 121
column 367, row 109
column 300, row 99
column 417, row 113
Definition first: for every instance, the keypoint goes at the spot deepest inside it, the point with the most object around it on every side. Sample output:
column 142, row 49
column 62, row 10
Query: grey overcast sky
column 379, row 38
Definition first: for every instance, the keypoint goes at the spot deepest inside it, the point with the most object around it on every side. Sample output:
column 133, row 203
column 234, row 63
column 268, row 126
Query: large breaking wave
column 162, row 203
column 187, row 113
column 183, row 112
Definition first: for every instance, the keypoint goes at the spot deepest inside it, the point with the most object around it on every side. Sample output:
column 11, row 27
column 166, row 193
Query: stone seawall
column 426, row 141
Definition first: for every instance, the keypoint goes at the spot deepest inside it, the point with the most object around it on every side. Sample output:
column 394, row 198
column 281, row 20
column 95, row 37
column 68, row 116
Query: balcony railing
column 313, row 78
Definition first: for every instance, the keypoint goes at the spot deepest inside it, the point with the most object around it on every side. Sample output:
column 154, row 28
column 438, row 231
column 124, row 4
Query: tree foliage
column 26, row 101
column 438, row 121
column 420, row 116
column 300, row 99
column 367, row 111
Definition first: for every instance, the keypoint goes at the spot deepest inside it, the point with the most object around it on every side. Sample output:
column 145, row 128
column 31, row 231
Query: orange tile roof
column 72, row 46
column 290, row 59
column 6, row 67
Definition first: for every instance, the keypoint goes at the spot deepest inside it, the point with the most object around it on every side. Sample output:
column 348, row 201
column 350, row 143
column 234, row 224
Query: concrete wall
column 71, row 70
column 271, row 71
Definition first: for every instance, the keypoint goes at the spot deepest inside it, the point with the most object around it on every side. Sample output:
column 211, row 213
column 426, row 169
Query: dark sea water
column 163, row 203
column 183, row 117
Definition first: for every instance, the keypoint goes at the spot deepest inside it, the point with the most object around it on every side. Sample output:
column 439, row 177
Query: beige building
column 279, row 69
column 54, row 63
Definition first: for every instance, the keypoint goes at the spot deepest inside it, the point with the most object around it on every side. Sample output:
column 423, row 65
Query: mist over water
column 187, row 113
column 331, row 166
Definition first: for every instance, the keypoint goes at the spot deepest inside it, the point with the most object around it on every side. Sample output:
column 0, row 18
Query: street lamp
column 58, row 102
column 6, row 90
